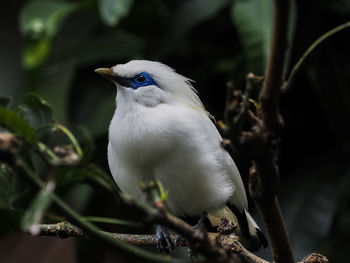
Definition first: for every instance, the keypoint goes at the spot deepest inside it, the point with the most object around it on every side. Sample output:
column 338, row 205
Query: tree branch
column 224, row 239
column 264, row 173
column 65, row 229
column 228, row 241
column 269, row 96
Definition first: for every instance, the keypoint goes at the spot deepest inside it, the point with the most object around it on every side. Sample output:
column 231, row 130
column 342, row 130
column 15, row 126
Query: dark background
column 211, row 42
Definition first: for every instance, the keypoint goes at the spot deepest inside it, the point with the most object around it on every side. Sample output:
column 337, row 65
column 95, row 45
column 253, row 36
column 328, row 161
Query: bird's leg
column 164, row 242
column 201, row 220
column 197, row 227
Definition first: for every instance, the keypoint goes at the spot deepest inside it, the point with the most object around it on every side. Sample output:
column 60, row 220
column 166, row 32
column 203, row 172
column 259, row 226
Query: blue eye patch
column 140, row 80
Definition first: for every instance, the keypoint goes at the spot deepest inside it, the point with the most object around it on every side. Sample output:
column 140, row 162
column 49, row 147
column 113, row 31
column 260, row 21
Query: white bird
column 161, row 131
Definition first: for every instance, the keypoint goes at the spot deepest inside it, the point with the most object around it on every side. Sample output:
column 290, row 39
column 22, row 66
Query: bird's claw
column 164, row 242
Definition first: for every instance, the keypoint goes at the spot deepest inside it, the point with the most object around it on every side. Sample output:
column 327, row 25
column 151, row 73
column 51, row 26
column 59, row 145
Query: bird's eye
column 141, row 78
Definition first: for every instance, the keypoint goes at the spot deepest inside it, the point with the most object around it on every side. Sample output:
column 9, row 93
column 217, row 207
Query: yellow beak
column 106, row 72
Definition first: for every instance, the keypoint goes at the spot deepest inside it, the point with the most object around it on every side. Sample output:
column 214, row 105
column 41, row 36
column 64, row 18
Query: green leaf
column 112, row 11
column 17, row 125
column 9, row 220
column 36, row 111
column 35, row 53
column 253, row 21
column 34, row 214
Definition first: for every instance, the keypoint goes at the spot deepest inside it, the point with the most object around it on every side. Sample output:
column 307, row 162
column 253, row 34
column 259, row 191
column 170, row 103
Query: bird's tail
column 256, row 236
column 248, row 231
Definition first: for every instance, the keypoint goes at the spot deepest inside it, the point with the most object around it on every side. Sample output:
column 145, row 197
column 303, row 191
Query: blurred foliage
column 39, row 23
column 112, row 11
column 254, row 34
column 52, row 47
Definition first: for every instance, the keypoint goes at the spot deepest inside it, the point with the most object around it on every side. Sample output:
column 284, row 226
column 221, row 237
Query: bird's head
column 150, row 83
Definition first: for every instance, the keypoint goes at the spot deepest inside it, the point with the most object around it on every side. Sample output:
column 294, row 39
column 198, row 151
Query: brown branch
column 264, row 138
column 227, row 241
column 65, row 229
column 224, row 239
column 269, row 96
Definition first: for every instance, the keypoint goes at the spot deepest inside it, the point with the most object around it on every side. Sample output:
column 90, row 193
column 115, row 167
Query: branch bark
column 269, row 96
column 227, row 241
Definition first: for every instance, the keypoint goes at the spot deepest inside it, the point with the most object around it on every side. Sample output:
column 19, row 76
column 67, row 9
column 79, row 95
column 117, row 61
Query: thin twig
column 313, row 46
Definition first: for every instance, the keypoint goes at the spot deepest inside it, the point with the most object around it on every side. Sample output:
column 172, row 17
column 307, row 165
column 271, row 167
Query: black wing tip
column 263, row 241
column 257, row 241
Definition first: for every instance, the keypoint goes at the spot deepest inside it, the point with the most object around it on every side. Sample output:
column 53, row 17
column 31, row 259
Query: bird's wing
column 238, row 204
column 239, row 198
column 214, row 139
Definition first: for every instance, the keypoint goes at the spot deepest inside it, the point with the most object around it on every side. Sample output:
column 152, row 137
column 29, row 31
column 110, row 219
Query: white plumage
column 162, row 131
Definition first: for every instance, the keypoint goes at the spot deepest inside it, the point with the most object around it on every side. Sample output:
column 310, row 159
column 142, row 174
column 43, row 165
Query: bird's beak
column 107, row 73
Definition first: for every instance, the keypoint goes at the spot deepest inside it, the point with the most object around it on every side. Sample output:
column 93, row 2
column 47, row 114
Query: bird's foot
column 164, row 242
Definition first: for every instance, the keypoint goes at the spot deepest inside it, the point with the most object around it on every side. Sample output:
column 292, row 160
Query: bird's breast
column 141, row 137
